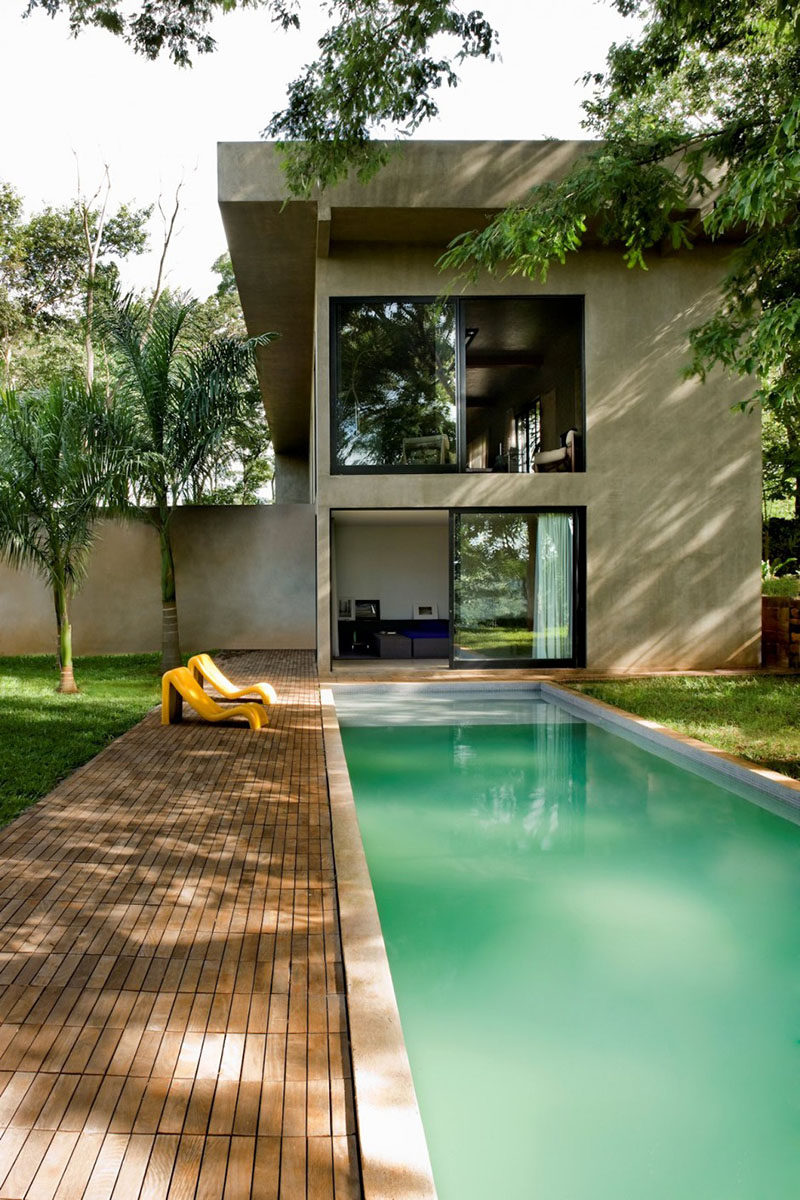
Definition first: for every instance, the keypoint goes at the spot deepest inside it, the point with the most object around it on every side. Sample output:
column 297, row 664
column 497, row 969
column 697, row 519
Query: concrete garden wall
column 245, row 580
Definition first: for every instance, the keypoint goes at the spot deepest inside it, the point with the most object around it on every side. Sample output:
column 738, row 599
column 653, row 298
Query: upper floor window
column 474, row 384
column 395, row 385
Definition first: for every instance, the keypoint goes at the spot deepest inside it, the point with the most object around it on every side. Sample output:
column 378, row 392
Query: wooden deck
column 172, row 1004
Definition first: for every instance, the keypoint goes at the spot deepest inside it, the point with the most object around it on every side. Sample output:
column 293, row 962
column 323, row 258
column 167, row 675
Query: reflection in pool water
column 595, row 955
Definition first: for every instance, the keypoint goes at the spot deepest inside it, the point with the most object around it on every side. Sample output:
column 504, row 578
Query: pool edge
column 762, row 779
column 395, row 1164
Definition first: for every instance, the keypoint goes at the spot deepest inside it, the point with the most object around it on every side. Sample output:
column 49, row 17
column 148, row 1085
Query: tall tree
column 700, row 121
column 181, row 396
column 221, row 312
column 61, row 456
column 52, row 268
column 12, row 318
column 242, row 470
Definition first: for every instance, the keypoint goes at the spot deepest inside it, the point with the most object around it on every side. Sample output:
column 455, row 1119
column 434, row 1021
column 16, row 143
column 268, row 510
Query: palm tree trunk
column 67, row 678
column 170, row 640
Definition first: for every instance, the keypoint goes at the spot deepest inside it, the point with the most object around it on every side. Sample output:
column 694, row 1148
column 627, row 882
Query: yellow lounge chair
column 179, row 684
column 203, row 667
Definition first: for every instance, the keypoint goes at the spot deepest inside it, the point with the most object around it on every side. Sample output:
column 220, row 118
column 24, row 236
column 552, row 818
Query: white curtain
column 553, row 587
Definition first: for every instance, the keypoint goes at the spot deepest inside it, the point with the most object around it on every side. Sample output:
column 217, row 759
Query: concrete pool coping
column 394, row 1158
column 729, row 767
column 395, row 1164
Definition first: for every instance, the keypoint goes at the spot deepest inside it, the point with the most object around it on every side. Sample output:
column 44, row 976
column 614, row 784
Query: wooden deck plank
column 133, row 1168
column 79, row 1168
column 127, row 1107
column 320, row 1168
column 172, row 1018
column 239, row 1175
column 346, row 1174
column 155, row 1184
column 187, row 1168
column 267, row 1169
column 34, row 1100
column 107, row 1167
column 52, row 1167
column 293, row 1168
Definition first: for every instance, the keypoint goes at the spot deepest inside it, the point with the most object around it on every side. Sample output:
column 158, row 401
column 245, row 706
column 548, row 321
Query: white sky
column 155, row 124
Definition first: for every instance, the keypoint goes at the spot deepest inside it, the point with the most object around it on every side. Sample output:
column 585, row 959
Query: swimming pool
column 594, row 952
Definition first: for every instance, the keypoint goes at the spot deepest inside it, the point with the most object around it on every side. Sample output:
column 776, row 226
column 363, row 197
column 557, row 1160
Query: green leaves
column 61, row 457
column 375, row 68
column 44, row 279
column 699, row 120
column 380, row 63
column 611, row 192
column 181, row 395
column 178, row 27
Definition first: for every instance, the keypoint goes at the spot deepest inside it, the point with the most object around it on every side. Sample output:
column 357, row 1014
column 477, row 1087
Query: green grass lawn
column 44, row 736
column 494, row 642
column 756, row 717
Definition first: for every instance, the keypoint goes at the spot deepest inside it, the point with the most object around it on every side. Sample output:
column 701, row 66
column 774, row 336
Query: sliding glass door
column 514, row 589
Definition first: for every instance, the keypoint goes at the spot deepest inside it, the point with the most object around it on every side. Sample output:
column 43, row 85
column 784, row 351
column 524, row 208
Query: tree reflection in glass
column 512, row 594
column 395, row 402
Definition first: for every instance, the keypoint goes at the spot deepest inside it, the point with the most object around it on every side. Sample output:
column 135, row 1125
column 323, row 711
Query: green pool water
column 595, row 954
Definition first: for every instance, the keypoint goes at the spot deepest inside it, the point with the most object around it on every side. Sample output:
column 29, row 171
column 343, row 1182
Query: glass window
column 529, row 435
column 395, row 388
column 513, row 586
column 522, row 381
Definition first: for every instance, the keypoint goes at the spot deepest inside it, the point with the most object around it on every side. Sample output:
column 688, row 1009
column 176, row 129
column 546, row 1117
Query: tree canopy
column 52, row 265
column 59, row 273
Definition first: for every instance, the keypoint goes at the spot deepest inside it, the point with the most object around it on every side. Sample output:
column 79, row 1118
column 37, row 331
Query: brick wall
column 780, row 631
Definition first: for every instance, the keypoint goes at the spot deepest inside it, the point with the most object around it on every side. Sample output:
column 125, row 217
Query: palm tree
column 61, row 456
column 181, row 398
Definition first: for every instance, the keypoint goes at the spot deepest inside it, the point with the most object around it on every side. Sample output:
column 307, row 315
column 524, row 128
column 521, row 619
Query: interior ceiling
column 516, row 334
column 517, row 324
column 390, row 516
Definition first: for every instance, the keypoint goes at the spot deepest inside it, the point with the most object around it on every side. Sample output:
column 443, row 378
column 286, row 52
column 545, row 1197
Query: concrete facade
column 245, row 578
column 671, row 487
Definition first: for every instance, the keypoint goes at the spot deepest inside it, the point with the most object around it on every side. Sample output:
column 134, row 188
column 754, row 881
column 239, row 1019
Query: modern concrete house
column 515, row 474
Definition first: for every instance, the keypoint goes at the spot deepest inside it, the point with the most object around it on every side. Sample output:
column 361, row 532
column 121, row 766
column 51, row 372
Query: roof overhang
column 427, row 194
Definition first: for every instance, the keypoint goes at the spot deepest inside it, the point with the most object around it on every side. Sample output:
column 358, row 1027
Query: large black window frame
column 460, row 466
column 578, row 613
column 578, row 607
